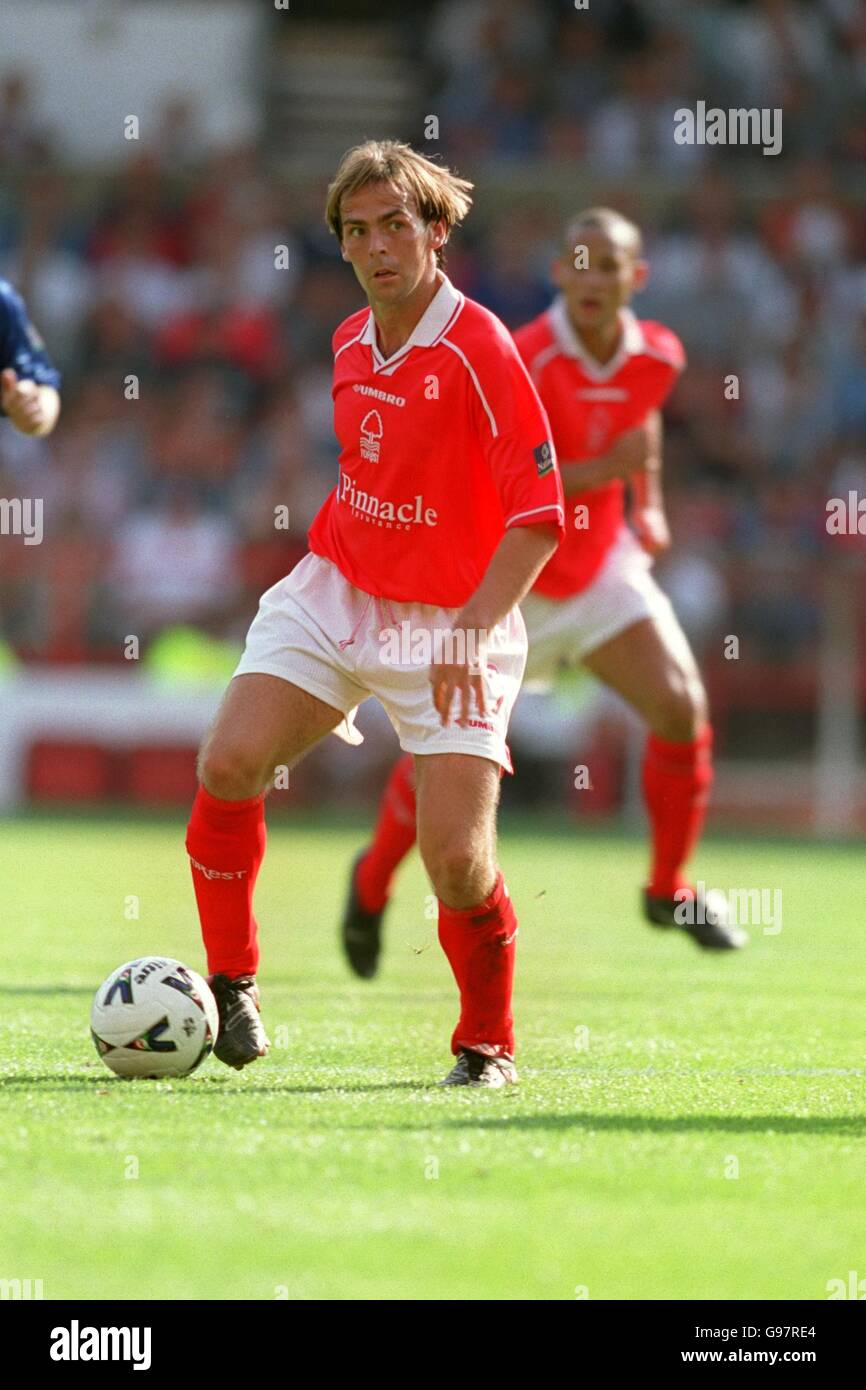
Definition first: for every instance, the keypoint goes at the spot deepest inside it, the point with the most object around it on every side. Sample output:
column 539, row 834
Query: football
column 154, row 1017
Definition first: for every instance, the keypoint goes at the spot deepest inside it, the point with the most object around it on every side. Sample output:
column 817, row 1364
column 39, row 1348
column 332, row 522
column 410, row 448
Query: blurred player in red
column 447, row 506
column 602, row 375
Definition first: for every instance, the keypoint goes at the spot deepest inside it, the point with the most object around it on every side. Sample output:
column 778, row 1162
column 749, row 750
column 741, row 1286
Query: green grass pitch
column 686, row 1125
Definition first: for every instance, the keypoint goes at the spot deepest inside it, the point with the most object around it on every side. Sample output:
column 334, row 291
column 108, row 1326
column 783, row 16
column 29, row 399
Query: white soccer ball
column 154, row 1017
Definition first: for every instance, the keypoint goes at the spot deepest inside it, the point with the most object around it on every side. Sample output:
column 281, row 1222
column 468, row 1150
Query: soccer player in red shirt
column 602, row 375
column 447, row 506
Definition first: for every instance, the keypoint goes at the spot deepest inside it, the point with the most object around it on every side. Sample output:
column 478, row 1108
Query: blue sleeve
column 21, row 346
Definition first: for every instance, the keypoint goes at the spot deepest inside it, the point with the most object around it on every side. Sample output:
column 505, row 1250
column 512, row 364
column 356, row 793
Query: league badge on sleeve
column 543, row 456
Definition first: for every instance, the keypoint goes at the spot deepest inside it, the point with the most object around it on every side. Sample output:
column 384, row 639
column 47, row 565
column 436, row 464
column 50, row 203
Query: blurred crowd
column 533, row 79
column 189, row 297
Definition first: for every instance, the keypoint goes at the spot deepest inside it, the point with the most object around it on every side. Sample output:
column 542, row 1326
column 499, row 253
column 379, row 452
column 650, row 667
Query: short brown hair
column 437, row 192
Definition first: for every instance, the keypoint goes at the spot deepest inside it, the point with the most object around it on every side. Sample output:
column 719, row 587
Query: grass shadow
column 852, row 1126
column 214, row 1085
column 40, row 990
column 208, row 1087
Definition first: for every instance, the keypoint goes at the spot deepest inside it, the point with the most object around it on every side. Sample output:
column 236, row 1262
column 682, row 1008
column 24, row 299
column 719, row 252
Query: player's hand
column 651, row 528
column 22, row 402
column 635, row 450
column 453, row 682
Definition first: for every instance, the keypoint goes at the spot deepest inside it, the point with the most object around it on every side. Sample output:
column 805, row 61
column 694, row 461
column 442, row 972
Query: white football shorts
column 318, row 631
column 564, row 631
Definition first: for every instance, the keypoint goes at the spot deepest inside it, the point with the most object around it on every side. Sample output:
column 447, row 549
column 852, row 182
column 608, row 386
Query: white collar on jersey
column 631, row 343
column 436, row 319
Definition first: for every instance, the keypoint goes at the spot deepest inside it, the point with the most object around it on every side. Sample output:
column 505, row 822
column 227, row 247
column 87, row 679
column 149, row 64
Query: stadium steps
column 333, row 85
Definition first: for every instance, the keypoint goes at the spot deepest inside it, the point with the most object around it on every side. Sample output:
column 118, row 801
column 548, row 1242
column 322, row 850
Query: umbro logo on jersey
column 543, row 456
column 385, row 396
column 601, row 393
column 371, row 434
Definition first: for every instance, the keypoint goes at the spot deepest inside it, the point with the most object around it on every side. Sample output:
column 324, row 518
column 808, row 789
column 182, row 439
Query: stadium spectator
column 157, row 591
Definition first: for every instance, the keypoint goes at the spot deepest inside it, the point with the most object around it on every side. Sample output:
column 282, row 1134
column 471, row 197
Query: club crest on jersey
column 543, row 456
column 371, row 435
column 599, row 424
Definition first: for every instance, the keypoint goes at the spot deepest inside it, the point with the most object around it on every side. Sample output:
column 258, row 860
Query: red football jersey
column 443, row 446
column 588, row 406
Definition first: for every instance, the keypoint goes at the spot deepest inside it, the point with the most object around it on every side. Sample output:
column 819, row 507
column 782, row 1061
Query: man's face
column 389, row 247
column 595, row 294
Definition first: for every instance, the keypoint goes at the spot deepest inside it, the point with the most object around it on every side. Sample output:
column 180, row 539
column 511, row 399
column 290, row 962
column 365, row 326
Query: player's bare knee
column 459, row 874
column 681, row 711
column 231, row 772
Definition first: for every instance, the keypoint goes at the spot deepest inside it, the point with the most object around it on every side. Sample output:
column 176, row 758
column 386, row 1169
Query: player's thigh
column 553, row 630
column 263, row 722
column 651, row 665
column 457, row 795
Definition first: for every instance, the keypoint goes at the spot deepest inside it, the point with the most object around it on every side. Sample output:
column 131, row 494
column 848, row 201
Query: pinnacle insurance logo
column 398, row 516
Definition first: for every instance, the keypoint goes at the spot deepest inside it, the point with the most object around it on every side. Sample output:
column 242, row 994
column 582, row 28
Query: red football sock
column 393, row 838
column 480, row 945
column 225, row 841
column 676, row 783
